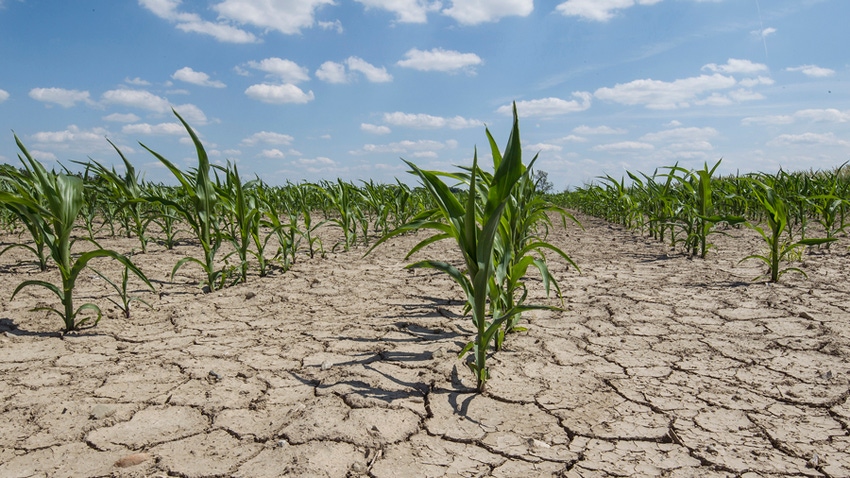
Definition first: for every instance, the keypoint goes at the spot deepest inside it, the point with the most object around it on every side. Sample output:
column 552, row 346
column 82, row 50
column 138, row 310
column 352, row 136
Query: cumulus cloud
column 424, row 121
column 548, row 107
column 812, row 71
column 598, row 10
column 406, row 11
column 279, row 94
column 734, row 65
column 136, row 99
column 287, row 16
column 335, row 25
column 372, row 73
column 332, row 72
column 273, row 153
column 286, row 70
column 4, row 95
column 189, row 75
column 374, row 129
column 543, row 147
column 473, row 12
column 268, row 137
column 680, row 135
column 60, row 96
column 656, row 94
column 121, row 118
column 191, row 22
column 438, row 59
column 71, row 139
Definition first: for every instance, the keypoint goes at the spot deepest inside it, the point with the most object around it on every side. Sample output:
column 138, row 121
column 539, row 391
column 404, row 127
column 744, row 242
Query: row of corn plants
column 240, row 225
column 499, row 225
column 684, row 208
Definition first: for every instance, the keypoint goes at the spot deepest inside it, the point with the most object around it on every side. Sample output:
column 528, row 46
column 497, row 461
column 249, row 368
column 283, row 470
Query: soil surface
column 660, row 365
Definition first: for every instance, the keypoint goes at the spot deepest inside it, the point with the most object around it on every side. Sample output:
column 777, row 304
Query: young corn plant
column 779, row 245
column 473, row 223
column 125, row 299
column 200, row 211
column 62, row 201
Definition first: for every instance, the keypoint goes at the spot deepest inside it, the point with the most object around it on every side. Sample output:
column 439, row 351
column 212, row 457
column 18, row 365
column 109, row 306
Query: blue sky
column 311, row 89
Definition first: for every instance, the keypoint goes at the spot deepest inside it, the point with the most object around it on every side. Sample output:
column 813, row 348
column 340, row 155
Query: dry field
column 661, row 365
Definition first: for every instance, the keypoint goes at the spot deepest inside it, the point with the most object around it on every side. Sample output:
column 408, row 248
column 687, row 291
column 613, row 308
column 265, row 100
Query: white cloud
column 332, row 72
column 423, row 121
column 734, row 65
column 4, row 95
column 60, row 96
column 317, row 165
column 285, row 16
column 286, row 70
column 825, row 139
column 624, row 147
column 335, row 25
column 680, row 135
column 273, row 153
column 473, row 12
column 190, row 22
column 136, row 81
column 372, row 73
column 161, row 128
column 268, row 137
column 812, row 71
column 279, row 94
column 407, row 146
column 136, row 99
column 828, row 115
column 542, row 147
column 191, row 113
column 121, row 118
column 751, row 82
column 189, row 75
column 656, row 94
column 407, row 11
column 571, row 138
column 765, row 32
column 583, row 129
column 374, row 129
column 438, row 59
column 598, row 10
column 547, row 107
column 43, row 155
column 72, row 139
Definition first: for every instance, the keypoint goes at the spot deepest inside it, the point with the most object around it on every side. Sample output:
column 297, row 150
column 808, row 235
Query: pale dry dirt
column 660, row 365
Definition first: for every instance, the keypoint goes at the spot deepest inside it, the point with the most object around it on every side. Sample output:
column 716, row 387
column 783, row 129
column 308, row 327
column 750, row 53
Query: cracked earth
column 660, row 365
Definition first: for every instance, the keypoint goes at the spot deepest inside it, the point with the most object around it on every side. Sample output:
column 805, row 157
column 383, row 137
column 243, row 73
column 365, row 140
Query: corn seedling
column 200, row 212
column 123, row 294
column 779, row 248
column 62, row 201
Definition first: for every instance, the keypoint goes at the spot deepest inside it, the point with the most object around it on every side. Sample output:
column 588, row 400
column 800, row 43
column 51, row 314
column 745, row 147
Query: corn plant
column 123, row 293
column 200, row 212
column 128, row 192
column 347, row 213
column 23, row 185
column 243, row 217
column 473, row 223
column 779, row 247
column 59, row 205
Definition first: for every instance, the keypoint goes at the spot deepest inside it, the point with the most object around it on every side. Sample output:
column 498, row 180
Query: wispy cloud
column 734, row 65
column 268, row 137
column 821, row 139
column 374, row 129
column 4, row 95
column 333, row 72
column 191, row 22
column 812, row 71
column 60, row 96
column 438, row 59
column 820, row 115
column 657, row 94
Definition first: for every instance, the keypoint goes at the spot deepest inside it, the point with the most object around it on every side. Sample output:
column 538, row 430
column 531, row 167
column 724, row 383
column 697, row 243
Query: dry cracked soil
column 659, row 365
